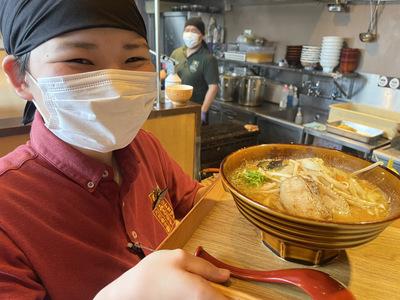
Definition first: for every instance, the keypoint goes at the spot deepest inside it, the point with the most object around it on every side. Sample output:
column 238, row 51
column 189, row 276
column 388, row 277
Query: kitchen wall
column 308, row 23
column 369, row 93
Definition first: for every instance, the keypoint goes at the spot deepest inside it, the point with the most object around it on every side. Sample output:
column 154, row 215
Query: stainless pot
column 227, row 87
column 252, row 90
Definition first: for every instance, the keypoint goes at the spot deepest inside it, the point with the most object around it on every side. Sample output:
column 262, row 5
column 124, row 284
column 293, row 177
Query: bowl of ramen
column 306, row 201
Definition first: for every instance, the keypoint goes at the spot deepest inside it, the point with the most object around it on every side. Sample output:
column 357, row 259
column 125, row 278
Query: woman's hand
column 167, row 274
column 204, row 118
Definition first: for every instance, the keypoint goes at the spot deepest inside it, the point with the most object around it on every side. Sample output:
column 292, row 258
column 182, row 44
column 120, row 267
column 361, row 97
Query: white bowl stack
column 310, row 57
column 330, row 52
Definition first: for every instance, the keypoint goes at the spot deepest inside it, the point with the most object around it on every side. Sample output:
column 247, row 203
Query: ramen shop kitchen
column 300, row 146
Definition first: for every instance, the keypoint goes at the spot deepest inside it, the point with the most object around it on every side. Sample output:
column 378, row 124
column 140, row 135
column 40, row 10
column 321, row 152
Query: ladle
column 317, row 284
column 370, row 167
column 370, row 35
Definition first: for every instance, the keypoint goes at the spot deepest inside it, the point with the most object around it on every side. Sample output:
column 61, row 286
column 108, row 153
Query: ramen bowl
column 179, row 94
column 305, row 240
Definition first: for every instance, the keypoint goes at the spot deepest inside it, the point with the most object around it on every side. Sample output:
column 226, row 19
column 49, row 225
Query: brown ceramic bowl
column 179, row 94
column 349, row 57
column 294, row 47
column 350, row 50
column 350, row 54
column 303, row 240
column 293, row 53
column 347, row 67
column 293, row 56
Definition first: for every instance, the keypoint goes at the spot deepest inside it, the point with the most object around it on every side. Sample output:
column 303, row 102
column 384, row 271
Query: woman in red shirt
column 88, row 197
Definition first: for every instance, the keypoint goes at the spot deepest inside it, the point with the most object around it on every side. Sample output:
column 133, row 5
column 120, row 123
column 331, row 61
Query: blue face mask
column 191, row 39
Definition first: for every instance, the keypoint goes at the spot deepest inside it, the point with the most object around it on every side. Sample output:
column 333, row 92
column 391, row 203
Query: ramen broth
column 310, row 188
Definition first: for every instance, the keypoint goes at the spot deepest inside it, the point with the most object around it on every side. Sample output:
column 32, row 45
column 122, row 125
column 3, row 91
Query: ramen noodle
column 309, row 188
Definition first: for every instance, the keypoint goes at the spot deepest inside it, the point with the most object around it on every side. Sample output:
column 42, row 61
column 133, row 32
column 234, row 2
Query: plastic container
column 295, row 97
column 299, row 117
column 290, row 96
column 285, row 93
column 259, row 54
column 171, row 80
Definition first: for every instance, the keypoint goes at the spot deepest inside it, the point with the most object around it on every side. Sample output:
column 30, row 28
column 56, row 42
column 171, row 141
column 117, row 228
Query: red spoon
column 319, row 285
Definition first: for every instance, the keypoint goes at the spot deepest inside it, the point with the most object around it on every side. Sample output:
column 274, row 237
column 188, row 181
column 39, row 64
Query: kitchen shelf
column 336, row 75
column 278, row 2
column 336, row 86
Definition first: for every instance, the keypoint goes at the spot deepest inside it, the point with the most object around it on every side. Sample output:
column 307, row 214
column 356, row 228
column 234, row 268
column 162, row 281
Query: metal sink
column 309, row 115
column 279, row 126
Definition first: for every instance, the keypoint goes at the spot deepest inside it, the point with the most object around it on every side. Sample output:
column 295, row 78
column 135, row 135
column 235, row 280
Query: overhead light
column 338, row 6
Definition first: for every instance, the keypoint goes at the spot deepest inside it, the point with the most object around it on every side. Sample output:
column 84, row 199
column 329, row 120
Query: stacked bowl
column 310, row 57
column 330, row 52
column 293, row 54
column 349, row 60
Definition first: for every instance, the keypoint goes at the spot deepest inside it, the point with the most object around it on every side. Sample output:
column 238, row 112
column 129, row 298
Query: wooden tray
column 371, row 271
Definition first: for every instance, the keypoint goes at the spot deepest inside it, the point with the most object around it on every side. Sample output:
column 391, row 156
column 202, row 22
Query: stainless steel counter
column 272, row 111
column 264, row 110
column 367, row 149
column 273, row 117
column 387, row 153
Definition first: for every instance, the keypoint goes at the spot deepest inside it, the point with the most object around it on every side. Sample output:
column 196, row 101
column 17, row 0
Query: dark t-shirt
column 198, row 70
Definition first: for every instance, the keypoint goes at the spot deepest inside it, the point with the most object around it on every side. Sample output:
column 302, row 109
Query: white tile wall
column 370, row 93
column 293, row 24
column 307, row 23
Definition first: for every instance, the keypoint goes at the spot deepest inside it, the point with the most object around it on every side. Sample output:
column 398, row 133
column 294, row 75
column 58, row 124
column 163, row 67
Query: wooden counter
column 371, row 271
column 177, row 128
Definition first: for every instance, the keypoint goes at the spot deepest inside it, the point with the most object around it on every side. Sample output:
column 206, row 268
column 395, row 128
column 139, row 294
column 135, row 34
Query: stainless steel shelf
column 336, row 75
column 283, row 2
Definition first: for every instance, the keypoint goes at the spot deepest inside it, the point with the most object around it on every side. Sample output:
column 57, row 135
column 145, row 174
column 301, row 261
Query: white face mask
column 100, row 111
column 191, row 39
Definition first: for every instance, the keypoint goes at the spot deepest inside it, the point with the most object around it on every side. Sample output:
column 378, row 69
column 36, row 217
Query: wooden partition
column 178, row 136
column 177, row 133
column 9, row 143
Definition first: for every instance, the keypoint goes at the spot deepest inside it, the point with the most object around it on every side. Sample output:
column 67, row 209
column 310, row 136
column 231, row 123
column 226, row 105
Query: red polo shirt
column 65, row 223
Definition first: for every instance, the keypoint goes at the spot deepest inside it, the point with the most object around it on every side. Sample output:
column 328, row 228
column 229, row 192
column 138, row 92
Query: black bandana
column 25, row 24
column 196, row 22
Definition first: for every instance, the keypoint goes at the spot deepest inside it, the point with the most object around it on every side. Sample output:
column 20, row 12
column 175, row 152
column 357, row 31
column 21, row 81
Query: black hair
column 23, row 63
column 23, row 67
